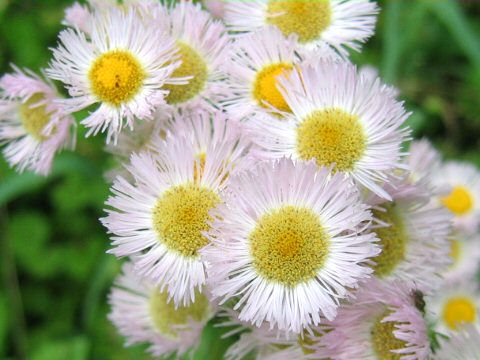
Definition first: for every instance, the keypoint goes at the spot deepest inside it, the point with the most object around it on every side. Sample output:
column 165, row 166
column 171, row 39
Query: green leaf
column 452, row 16
column 76, row 348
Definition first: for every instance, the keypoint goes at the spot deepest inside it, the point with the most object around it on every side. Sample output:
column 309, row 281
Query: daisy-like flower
column 454, row 305
column 162, row 215
column 463, row 199
column 383, row 322
column 341, row 24
column 255, row 62
column 32, row 125
column 408, row 228
column 286, row 246
column 260, row 341
column 338, row 117
column 123, row 66
column 462, row 345
column 143, row 313
column 201, row 42
column 465, row 257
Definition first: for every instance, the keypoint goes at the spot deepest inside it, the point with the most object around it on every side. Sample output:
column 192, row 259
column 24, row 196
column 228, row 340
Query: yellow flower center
column 35, row 118
column 455, row 251
column 165, row 317
column 331, row 136
column 393, row 240
column 116, row 77
column 181, row 215
column 192, row 65
column 459, row 310
column 289, row 245
column 308, row 19
column 384, row 340
column 265, row 86
column 459, row 201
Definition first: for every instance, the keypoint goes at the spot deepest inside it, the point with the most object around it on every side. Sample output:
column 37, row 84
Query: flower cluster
column 263, row 180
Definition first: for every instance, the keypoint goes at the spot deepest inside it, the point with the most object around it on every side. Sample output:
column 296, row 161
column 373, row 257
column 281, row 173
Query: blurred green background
column 54, row 271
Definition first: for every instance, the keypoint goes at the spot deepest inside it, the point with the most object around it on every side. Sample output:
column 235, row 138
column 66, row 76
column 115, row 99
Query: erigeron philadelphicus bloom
column 255, row 61
column 461, row 345
column 463, row 198
column 341, row 24
column 201, row 42
column 264, row 343
column 286, row 246
column 384, row 321
column 143, row 313
column 122, row 66
column 216, row 8
column 454, row 305
column 338, row 117
column 409, row 228
column 160, row 218
column 464, row 255
column 33, row 127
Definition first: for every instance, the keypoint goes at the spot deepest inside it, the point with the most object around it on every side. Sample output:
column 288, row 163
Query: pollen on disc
column 289, row 245
column 308, row 19
column 116, row 77
column 181, row 215
column 384, row 340
column 193, row 65
column 34, row 118
column 459, row 201
column 393, row 240
column 331, row 136
column 265, row 88
column 166, row 318
column 459, row 310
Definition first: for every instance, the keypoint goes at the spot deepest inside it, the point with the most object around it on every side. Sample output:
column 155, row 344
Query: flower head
column 32, row 125
column 340, row 119
column 382, row 322
column 122, row 65
column 341, row 24
column 143, row 313
column 286, row 245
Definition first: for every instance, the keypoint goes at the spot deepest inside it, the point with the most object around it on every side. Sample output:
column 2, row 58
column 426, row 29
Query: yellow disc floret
column 459, row 201
column 116, row 77
column 192, row 65
column 35, row 118
column 455, row 251
column 265, row 88
column 331, row 136
column 165, row 317
column 306, row 18
column 459, row 310
column 384, row 340
column 393, row 240
column 181, row 215
column 289, row 245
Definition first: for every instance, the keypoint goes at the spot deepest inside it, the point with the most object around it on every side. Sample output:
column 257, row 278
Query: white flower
column 286, row 244
column 255, row 61
column 123, row 65
column 216, row 8
column 454, row 305
column 463, row 199
column 142, row 313
column 342, row 24
column 465, row 256
column 382, row 322
column 202, row 43
column 160, row 217
column 462, row 345
column 32, row 125
column 341, row 118
column 408, row 228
